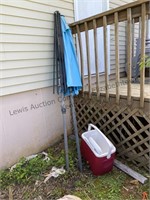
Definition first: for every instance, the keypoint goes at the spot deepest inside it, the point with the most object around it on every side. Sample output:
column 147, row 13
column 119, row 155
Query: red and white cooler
column 97, row 150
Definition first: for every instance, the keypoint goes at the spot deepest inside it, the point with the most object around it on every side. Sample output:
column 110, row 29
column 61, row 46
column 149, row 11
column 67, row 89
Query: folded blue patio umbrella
column 73, row 78
column 66, row 76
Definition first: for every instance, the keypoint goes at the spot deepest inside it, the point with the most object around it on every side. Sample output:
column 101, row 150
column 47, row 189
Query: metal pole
column 76, row 131
column 63, row 110
column 54, row 59
column 59, row 68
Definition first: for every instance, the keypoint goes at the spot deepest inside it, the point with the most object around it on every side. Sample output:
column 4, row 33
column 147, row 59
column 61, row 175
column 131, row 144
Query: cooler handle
column 90, row 126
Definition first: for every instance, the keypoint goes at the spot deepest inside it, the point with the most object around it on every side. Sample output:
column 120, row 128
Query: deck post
column 143, row 37
column 106, row 57
column 117, row 58
column 129, row 54
column 133, row 32
column 81, row 56
column 88, row 57
column 139, row 27
column 96, row 58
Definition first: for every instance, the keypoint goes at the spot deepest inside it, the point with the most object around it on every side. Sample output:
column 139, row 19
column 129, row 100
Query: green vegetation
column 24, row 172
column 145, row 62
column 26, row 181
column 28, row 171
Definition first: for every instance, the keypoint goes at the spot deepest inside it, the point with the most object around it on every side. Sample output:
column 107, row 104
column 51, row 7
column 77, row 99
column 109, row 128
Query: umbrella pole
column 76, row 131
column 63, row 110
column 59, row 68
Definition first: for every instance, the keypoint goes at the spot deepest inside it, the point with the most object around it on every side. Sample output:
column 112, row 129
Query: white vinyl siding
column 26, row 43
column 122, row 39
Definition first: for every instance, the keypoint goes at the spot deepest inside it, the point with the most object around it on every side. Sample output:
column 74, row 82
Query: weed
column 144, row 62
column 56, row 193
column 84, row 185
column 27, row 171
column 24, row 172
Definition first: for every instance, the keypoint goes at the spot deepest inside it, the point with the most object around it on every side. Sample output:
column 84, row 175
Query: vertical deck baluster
column 143, row 37
column 133, row 32
column 106, row 56
column 88, row 57
column 81, row 56
column 139, row 27
column 129, row 54
column 147, row 27
column 96, row 58
column 117, row 59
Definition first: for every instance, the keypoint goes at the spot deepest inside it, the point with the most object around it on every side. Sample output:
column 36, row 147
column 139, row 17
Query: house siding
column 26, row 47
column 122, row 39
column 30, row 122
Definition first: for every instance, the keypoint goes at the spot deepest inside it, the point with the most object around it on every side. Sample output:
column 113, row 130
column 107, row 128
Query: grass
column 26, row 180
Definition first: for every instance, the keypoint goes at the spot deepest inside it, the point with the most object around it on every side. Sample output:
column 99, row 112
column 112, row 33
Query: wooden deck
column 130, row 13
column 135, row 88
column 121, row 110
column 126, row 126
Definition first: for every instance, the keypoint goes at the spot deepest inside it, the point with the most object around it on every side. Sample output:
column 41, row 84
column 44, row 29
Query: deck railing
column 130, row 13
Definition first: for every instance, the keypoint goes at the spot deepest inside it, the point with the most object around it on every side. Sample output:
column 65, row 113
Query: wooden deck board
column 135, row 88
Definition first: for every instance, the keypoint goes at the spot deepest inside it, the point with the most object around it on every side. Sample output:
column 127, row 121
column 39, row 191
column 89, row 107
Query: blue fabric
column 71, row 63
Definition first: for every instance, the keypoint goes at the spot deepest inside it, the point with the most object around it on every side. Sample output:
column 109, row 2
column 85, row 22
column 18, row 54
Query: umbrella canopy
column 66, row 76
column 73, row 79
